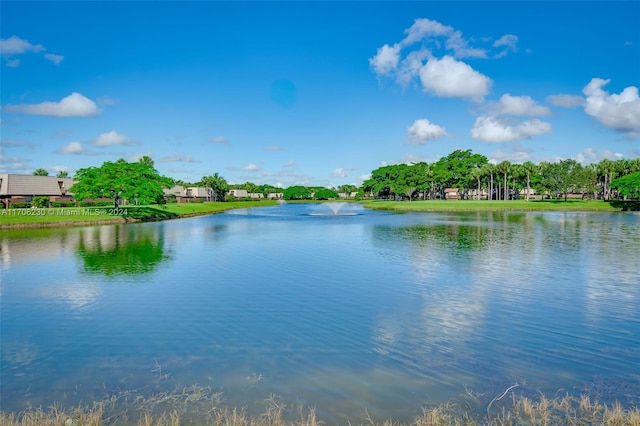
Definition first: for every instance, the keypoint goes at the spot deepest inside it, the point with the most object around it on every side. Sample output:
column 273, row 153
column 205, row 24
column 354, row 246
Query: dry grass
column 198, row 405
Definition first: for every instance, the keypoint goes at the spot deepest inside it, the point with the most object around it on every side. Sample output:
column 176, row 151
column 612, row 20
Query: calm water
column 370, row 310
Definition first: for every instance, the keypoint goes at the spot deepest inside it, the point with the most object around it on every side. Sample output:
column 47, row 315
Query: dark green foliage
column 41, row 201
column 628, row 185
column 325, row 194
column 137, row 181
column 297, row 192
column 63, row 204
column 20, row 205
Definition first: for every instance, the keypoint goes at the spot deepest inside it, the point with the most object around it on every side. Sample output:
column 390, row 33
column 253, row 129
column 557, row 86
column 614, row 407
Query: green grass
column 69, row 216
column 516, row 205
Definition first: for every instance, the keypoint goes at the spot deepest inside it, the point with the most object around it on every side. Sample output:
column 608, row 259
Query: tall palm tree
column 503, row 168
column 217, row 184
column 529, row 169
column 488, row 170
column 476, row 174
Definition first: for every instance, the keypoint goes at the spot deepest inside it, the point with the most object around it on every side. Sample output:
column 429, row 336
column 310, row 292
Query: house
column 451, row 194
column 348, row 194
column 22, row 188
column 189, row 194
column 275, row 196
column 239, row 193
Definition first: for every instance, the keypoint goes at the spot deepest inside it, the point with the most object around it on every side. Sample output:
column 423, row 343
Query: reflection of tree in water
column 121, row 249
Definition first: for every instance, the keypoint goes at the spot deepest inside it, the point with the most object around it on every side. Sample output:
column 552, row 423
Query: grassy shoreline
column 203, row 406
column 83, row 216
column 503, row 206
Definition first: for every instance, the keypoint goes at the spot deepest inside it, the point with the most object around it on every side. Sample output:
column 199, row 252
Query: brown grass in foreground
column 198, row 405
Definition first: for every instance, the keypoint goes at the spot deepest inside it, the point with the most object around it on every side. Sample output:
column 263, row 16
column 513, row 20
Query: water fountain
column 336, row 209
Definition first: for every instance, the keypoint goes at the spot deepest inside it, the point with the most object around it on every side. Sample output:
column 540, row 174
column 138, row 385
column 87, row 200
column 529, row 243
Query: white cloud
column 289, row 163
column 410, row 66
column 17, row 46
column 514, row 156
column 56, row 59
column 72, row 148
column 339, row 173
column 250, row 168
column 589, row 156
column 422, row 131
column 13, row 63
column 448, row 77
column 492, row 129
column 565, row 101
column 109, row 139
column 386, row 60
column 219, row 139
column 424, row 27
column 274, row 148
column 461, row 49
column 509, row 41
column 520, row 105
column 74, row 105
column 620, row 112
column 177, row 158
column 58, row 168
column 136, row 157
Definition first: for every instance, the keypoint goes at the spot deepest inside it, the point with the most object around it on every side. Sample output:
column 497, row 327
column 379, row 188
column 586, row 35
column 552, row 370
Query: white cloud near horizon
column 109, row 139
column 339, row 172
column 72, row 148
column 177, row 158
column 493, row 129
column 422, row 131
column 590, row 156
column 620, row 112
column 74, row 105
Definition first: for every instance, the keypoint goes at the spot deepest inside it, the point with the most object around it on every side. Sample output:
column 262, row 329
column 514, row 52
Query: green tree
column 628, row 185
column 145, row 159
column 503, row 169
column 217, row 184
column 40, row 172
column 325, row 194
column 62, row 174
column 297, row 192
column 121, row 180
column 529, row 169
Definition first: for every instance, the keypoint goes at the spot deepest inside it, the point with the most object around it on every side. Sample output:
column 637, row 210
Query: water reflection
column 121, row 249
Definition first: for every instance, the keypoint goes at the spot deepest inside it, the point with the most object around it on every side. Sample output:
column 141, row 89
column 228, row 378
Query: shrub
column 20, row 205
column 41, row 201
column 63, row 204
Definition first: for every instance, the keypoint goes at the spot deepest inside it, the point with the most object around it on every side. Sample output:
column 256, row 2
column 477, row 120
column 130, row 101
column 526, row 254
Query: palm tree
column 40, row 172
column 476, row 174
column 62, row 174
column 488, row 170
column 503, row 168
column 529, row 169
column 145, row 159
column 217, row 184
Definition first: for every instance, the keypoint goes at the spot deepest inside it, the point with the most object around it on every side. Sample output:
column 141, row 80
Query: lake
column 363, row 310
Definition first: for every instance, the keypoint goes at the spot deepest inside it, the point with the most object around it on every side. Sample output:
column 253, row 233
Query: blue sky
column 315, row 93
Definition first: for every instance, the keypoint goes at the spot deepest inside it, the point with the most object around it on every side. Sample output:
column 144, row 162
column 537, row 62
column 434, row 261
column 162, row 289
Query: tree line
column 471, row 174
column 475, row 177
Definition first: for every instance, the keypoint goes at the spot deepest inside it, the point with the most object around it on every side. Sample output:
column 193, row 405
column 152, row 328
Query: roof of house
column 31, row 185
